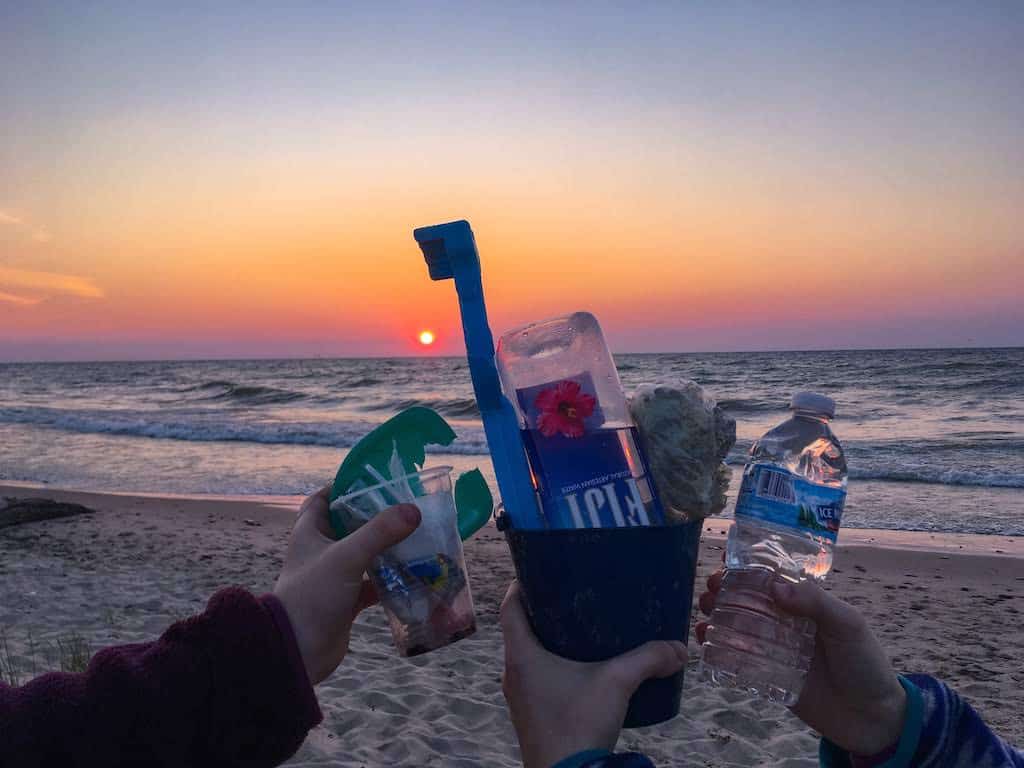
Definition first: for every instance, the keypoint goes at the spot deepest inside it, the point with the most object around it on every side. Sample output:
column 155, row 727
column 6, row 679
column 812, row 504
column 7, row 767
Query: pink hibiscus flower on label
column 562, row 409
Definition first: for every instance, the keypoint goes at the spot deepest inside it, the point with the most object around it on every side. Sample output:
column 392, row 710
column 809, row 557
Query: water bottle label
column 587, row 475
column 779, row 496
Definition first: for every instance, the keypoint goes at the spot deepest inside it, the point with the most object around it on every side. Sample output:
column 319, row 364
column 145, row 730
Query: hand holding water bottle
column 851, row 694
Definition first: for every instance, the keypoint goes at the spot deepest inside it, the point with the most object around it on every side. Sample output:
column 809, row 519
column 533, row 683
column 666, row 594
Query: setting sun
column 426, row 338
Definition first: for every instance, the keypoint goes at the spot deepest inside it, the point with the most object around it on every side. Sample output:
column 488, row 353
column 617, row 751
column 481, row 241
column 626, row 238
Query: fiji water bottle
column 585, row 457
column 787, row 516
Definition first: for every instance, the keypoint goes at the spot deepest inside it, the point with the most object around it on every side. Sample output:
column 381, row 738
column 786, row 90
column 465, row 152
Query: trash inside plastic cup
column 422, row 581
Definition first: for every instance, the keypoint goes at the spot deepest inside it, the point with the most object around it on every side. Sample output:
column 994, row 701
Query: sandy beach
column 945, row 604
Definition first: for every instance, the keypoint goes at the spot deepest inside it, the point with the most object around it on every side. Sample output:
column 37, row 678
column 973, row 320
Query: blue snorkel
column 450, row 252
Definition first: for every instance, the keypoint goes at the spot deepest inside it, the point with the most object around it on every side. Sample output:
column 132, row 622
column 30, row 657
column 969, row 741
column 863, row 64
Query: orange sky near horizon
column 201, row 229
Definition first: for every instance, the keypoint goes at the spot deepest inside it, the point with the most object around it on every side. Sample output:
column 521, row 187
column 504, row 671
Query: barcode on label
column 775, row 485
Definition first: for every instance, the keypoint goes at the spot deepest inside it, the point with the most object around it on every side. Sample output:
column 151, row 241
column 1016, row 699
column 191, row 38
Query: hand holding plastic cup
column 422, row 581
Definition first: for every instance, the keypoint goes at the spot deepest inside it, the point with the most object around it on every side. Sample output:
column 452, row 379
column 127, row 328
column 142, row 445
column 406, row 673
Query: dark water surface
column 935, row 438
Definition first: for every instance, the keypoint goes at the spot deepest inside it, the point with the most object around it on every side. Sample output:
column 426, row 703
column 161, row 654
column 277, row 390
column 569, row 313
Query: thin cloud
column 51, row 282
column 23, row 301
column 33, row 233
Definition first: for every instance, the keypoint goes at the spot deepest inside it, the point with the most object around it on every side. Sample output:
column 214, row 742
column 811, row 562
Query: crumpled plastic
column 686, row 437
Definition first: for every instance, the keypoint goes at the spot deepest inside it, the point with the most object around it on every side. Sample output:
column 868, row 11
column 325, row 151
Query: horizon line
column 462, row 356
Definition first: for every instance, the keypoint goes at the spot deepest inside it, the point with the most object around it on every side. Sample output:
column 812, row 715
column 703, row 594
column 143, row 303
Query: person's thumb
column 807, row 600
column 388, row 527
column 515, row 627
column 658, row 658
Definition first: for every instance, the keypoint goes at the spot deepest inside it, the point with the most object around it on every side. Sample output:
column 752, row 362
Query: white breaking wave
column 205, row 427
column 158, row 426
column 942, row 477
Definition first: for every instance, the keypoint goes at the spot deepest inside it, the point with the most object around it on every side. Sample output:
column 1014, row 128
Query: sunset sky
column 243, row 179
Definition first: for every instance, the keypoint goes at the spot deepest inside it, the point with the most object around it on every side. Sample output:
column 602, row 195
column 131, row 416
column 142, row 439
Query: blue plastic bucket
column 595, row 593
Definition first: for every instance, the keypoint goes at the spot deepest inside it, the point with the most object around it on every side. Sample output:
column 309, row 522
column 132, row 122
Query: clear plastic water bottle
column 588, row 467
column 787, row 516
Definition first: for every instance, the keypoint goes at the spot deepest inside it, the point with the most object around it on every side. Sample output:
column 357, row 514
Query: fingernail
column 411, row 514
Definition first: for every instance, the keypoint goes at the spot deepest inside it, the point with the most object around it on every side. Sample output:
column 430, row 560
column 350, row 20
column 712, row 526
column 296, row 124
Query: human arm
column 232, row 686
column 941, row 730
column 226, row 687
column 870, row 717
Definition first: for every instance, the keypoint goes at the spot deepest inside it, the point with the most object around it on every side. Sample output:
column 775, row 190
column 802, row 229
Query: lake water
column 934, row 438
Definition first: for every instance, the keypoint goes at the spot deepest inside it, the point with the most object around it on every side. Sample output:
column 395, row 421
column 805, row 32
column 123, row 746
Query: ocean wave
column 456, row 407
column 361, row 382
column 923, row 475
column 991, row 443
column 217, row 384
column 942, row 477
column 160, row 426
column 927, row 462
column 751, row 406
column 995, row 384
column 953, row 388
column 248, row 394
column 262, row 395
column 951, row 366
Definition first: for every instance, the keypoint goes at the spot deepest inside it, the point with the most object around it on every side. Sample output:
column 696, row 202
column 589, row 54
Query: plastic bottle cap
column 812, row 401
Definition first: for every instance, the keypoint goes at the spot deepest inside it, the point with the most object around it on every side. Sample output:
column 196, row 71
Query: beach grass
column 8, row 671
column 67, row 652
column 73, row 652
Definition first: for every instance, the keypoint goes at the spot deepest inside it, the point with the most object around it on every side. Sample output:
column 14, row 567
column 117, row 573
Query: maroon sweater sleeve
column 224, row 688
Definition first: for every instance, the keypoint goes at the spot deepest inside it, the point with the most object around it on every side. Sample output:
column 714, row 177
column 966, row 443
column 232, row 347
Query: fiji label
column 778, row 496
column 586, row 474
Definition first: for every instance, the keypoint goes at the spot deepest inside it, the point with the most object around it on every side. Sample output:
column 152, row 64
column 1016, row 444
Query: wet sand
column 944, row 604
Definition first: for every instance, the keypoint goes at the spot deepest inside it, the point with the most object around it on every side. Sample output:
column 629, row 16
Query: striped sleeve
column 954, row 735
column 941, row 731
column 602, row 758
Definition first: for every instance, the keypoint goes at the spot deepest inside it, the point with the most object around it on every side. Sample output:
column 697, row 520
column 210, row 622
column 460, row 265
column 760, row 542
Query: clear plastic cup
column 422, row 581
